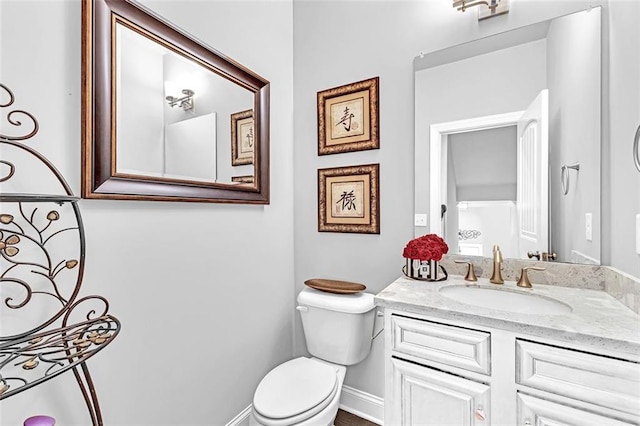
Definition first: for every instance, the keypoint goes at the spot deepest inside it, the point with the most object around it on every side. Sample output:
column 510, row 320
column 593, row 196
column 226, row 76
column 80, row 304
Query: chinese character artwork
column 242, row 138
column 348, row 118
column 246, row 137
column 348, row 199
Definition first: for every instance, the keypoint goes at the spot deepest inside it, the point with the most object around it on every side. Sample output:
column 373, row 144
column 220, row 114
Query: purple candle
column 40, row 421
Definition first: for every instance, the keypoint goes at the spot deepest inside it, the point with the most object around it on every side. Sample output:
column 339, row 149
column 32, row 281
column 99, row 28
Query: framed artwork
column 348, row 118
column 242, row 138
column 242, row 179
column 348, row 199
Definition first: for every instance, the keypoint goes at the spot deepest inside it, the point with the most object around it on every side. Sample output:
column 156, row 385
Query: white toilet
column 306, row 391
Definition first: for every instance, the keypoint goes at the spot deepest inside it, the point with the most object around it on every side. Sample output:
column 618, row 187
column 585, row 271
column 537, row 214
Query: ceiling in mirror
column 480, row 179
column 167, row 117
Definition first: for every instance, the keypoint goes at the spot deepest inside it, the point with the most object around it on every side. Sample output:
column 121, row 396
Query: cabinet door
column 534, row 411
column 423, row 396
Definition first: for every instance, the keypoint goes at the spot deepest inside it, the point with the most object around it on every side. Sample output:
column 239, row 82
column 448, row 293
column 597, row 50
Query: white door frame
column 438, row 137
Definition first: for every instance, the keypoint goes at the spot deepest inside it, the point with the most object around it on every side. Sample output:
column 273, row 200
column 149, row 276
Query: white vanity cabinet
column 424, row 394
column 449, row 372
column 596, row 390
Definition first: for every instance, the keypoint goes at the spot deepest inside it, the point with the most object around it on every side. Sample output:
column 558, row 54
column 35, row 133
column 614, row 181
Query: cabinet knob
column 480, row 415
column 527, row 423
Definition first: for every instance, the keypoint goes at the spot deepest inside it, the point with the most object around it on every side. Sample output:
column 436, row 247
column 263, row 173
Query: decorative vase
column 40, row 421
column 426, row 270
column 412, row 268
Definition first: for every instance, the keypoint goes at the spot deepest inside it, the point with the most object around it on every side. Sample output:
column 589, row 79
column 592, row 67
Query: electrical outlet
column 420, row 220
column 588, row 226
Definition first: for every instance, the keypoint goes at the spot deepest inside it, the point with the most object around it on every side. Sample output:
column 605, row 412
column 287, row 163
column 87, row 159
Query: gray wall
column 574, row 134
column 484, row 162
column 204, row 291
column 337, row 43
column 369, row 38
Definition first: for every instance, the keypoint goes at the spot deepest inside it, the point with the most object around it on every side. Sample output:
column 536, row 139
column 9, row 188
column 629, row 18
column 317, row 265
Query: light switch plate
column 420, row 219
column 588, row 226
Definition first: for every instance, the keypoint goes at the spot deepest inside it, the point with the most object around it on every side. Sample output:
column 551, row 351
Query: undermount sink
column 505, row 300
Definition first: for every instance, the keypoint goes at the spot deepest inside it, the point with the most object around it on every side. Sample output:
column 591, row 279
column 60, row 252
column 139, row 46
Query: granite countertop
column 597, row 319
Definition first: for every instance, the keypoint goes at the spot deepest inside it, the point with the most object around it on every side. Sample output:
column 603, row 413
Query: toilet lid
column 294, row 387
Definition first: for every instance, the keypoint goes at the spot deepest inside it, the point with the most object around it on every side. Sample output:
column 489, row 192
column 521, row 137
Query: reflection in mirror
column 493, row 171
column 489, row 156
column 161, row 113
column 481, row 173
column 168, row 107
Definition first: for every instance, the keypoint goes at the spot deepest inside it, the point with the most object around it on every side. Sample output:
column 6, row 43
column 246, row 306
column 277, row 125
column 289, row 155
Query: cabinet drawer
column 446, row 344
column 600, row 380
column 536, row 411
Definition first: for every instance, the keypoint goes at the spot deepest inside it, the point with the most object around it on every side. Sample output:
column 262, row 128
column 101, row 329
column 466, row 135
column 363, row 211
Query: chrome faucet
column 496, row 276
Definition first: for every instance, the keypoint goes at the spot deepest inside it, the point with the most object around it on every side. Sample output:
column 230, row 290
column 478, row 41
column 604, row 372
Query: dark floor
column 347, row 419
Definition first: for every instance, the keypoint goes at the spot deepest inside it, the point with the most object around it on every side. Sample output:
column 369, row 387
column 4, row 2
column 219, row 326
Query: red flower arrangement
column 427, row 247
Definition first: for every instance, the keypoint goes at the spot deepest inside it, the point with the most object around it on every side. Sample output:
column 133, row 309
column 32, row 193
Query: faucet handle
column 524, row 277
column 471, row 274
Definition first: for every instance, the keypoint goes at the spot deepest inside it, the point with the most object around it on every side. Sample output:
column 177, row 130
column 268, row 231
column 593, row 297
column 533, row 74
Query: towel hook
column 564, row 176
column 636, row 149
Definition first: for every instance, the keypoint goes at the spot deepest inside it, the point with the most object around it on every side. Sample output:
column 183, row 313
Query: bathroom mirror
column 166, row 117
column 507, row 141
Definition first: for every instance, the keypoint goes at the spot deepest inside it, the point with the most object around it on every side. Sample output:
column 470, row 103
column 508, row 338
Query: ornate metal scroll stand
column 46, row 328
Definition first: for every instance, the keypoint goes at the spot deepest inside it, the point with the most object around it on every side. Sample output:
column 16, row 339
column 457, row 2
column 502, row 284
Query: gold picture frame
column 242, row 179
column 242, row 138
column 348, row 118
column 349, row 199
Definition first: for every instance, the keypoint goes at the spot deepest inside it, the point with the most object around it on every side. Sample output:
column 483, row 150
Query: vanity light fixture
column 185, row 102
column 486, row 8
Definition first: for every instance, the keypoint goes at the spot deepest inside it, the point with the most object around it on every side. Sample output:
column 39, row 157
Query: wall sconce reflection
column 185, row 102
column 486, row 9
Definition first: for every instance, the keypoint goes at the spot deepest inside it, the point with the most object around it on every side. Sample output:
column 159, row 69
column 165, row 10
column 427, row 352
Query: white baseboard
column 362, row 404
column 579, row 257
column 241, row 419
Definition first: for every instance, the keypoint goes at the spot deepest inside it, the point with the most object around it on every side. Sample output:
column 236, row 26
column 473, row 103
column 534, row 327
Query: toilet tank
column 337, row 327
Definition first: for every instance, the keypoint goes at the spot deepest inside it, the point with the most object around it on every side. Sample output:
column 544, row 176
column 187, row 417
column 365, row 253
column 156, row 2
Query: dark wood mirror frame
column 99, row 179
